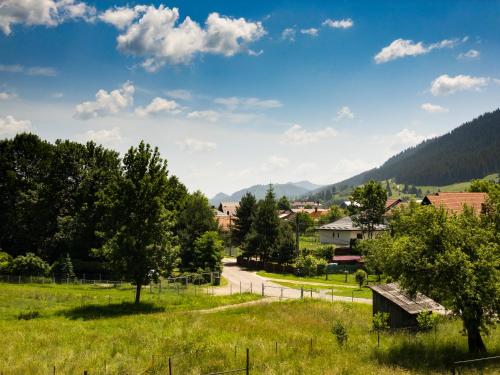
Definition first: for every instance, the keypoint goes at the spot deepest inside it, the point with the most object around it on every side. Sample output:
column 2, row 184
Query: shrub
column 325, row 252
column 426, row 320
column 28, row 315
column 340, row 333
column 5, row 262
column 29, row 264
column 321, row 267
column 307, row 265
column 360, row 277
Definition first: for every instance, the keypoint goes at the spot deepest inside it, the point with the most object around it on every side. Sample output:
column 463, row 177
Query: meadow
column 293, row 337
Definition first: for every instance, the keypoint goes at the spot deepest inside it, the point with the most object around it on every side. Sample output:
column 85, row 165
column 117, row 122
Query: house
column 301, row 204
column 223, row 219
column 402, row 308
column 392, row 203
column 343, row 231
column 454, row 202
column 229, row 208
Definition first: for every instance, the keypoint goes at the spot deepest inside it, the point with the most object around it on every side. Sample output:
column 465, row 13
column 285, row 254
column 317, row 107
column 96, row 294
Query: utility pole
column 297, row 233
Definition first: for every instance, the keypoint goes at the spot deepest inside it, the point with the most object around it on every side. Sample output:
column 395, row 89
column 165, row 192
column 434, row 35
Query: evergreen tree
column 284, row 204
column 244, row 217
column 388, row 188
column 67, row 268
column 285, row 249
column 208, row 251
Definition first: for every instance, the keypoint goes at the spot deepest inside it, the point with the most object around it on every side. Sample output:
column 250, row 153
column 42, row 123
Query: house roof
column 346, row 258
column 454, row 202
column 391, row 203
column 411, row 305
column 346, row 224
column 229, row 207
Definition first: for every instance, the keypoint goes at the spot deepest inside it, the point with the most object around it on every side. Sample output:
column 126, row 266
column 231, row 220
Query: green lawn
column 337, row 290
column 124, row 340
column 337, row 279
column 309, row 242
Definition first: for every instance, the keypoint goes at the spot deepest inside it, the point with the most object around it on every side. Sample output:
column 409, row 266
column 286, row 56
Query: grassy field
column 337, row 290
column 337, row 279
column 309, row 242
column 121, row 339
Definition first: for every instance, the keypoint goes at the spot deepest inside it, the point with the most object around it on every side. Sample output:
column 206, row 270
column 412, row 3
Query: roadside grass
column 337, row 290
column 309, row 242
column 334, row 278
column 141, row 343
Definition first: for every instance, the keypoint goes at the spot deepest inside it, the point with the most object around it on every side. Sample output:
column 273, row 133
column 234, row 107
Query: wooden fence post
column 169, row 366
column 262, row 289
column 248, row 363
column 85, row 372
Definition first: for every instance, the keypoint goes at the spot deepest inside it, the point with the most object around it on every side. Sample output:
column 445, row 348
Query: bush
column 5, row 262
column 307, row 265
column 29, row 265
column 28, row 315
column 360, row 277
column 340, row 333
column 325, row 252
column 321, row 267
column 426, row 320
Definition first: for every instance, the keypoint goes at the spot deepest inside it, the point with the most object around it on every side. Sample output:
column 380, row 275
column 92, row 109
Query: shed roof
column 346, row 224
column 454, row 202
column 394, row 294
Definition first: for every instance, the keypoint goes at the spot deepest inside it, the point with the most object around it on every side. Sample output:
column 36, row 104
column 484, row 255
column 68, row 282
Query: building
column 454, row 202
column 402, row 309
column 343, row 231
column 224, row 220
column 229, row 208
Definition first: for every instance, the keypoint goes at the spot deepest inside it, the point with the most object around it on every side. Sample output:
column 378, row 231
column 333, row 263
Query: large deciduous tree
column 139, row 236
column 368, row 206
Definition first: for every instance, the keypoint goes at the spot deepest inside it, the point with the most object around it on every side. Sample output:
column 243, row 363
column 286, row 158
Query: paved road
column 248, row 281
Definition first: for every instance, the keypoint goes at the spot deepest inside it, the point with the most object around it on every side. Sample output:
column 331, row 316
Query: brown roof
column 391, row 203
column 228, row 207
column 454, row 202
column 411, row 305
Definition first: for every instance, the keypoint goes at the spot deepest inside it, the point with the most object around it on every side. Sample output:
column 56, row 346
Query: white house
column 342, row 231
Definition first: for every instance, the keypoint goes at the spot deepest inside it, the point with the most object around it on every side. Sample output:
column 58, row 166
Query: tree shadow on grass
column 90, row 312
column 425, row 357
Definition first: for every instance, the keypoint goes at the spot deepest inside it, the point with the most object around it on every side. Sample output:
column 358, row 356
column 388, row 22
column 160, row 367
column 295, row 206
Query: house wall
column 341, row 237
column 398, row 318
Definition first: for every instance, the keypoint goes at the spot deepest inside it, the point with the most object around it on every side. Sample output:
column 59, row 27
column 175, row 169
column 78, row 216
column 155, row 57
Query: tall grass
column 141, row 341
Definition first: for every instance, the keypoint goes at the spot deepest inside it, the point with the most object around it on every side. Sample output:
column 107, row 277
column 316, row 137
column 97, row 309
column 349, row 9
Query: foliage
column 195, row 219
column 304, row 221
column 67, row 268
column 452, row 258
column 370, row 207
column 139, row 236
column 334, row 213
column 375, row 252
column 426, row 320
column 325, row 252
column 360, row 277
column 380, row 321
column 307, row 265
column 284, row 204
column 245, row 213
column 28, row 315
column 5, row 262
column 340, row 333
column 285, row 250
column 208, row 251
column 29, row 264
column 262, row 240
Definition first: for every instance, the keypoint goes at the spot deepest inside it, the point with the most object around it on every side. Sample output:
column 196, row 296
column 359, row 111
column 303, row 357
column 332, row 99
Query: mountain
column 291, row 190
column 470, row 151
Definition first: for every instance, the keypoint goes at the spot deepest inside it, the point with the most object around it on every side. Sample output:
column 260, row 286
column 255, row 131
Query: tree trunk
column 474, row 339
column 138, row 293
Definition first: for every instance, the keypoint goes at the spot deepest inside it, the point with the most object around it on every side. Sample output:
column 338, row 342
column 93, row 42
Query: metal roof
column 346, row 224
column 411, row 305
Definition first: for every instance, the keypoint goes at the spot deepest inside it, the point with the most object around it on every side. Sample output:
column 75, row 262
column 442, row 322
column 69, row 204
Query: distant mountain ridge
column 469, row 151
column 291, row 190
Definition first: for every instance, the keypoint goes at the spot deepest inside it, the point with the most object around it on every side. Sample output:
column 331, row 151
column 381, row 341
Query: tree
column 245, row 214
column 284, row 204
column 67, row 268
column 360, row 277
column 304, row 221
column 29, row 264
column 263, row 237
column 455, row 259
column 388, row 188
column 426, row 320
column 5, row 262
column 195, row 219
column 285, row 250
column 139, row 237
column 334, row 213
column 208, row 250
column 369, row 211
column 340, row 333
column 380, row 323
column 375, row 253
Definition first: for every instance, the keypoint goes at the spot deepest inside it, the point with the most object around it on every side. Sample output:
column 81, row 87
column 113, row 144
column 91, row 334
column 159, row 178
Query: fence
column 484, row 363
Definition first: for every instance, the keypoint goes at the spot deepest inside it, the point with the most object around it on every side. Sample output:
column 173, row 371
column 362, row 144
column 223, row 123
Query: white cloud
column 106, row 103
column 296, row 135
column 470, row 54
column 32, row 71
column 158, row 36
column 345, row 23
column 344, row 113
column 311, row 31
column 121, row 17
column 9, row 126
column 57, row 95
column 433, row 108
column 42, row 12
column 288, row 34
column 192, row 145
column 7, row 95
column 445, row 85
column 235, row 102
column 104, row 136
column 208, row 115
column 407, row 138
column 402, row 48
column 179, row 94
column 274, row 163
column 159, row 105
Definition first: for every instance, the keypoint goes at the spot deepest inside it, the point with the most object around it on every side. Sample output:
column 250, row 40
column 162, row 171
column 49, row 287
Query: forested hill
column 470, row 151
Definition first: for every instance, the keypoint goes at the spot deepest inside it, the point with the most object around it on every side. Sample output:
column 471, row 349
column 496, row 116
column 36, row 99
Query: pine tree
column 244, row 217
column 67, row 268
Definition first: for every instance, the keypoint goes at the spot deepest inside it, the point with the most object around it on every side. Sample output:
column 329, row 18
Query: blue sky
column 239, row 93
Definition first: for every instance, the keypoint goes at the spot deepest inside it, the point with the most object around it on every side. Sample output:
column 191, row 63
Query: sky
column 237, row 93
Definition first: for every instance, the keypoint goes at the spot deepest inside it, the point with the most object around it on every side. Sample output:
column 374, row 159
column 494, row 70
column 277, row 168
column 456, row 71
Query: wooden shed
column 402, row 309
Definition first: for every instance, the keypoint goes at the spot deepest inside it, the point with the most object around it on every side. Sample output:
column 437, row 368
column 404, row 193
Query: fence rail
column 459, row 365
